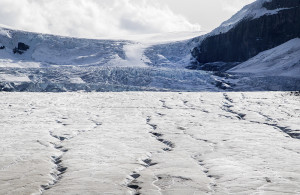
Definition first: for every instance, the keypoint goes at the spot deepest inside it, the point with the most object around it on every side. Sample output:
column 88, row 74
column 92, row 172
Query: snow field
column 149, row 143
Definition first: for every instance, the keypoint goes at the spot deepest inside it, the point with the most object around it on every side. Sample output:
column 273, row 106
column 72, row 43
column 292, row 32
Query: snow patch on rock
column 251, row 11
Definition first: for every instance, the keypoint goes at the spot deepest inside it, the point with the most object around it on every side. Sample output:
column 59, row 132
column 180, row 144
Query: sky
column 107, row 18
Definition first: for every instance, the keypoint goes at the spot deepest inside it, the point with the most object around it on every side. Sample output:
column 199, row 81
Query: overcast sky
column 208, row 13
column 101, row 18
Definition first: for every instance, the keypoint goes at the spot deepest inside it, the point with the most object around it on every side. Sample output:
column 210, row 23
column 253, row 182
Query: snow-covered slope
column 56, row 50
column 47, row 50
column 283, row 60
column 55, row 63
column 252, row 11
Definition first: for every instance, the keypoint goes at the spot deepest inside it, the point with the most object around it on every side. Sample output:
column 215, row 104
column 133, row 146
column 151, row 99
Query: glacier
column 157, row 127
column 149, row 143
column 154, row 62
column 57, row 64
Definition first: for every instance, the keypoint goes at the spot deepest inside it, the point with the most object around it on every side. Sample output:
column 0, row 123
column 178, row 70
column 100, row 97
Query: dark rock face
column 277, row 4
column 2, row 47
column 22, row 47
column 213, row 66
column 250, row 37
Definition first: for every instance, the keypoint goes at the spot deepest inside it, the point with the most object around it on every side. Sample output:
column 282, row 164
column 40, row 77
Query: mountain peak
column 255, row 10
column 259, row 26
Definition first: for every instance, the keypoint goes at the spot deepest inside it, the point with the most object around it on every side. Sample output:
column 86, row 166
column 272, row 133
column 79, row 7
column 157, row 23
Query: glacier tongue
column 156, row 63
column 108, row 79
column 55, row 63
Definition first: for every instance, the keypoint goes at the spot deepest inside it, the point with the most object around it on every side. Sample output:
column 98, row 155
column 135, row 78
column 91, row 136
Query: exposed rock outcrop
column 252, row 35
column 22, row 47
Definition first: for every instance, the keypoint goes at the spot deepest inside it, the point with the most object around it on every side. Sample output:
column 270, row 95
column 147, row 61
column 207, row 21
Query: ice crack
column 132, row 181
column 159, row 136
column 57, row 160
column 228, row 108
column 60, row 169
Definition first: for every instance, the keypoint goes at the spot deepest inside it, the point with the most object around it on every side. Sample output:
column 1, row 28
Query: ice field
column 149, row 143
column 139, row 115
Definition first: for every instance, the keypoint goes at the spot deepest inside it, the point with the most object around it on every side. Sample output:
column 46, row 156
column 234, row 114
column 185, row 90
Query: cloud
column 234, row 6
column 92, row 18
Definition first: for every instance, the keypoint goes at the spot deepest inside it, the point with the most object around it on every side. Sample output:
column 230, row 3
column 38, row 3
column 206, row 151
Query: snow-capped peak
column 251, row 11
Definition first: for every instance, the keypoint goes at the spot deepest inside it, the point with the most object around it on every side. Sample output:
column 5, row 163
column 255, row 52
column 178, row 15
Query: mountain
column 38, row 62
column 283, row 60
column 258, row 27
column 45, row 50
column 48, row 63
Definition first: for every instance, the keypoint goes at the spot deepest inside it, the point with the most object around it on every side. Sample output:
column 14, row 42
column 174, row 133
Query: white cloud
column 92, row 18
column 234, row 6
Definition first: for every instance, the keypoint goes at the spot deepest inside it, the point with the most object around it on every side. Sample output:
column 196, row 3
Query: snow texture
column 55, row 63
column 49, row 50
column 251, row 11
column 149, row 143
column 283, row 60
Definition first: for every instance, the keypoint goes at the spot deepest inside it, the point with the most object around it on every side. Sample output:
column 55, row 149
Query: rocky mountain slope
column 260, row 26
column 283, row 60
